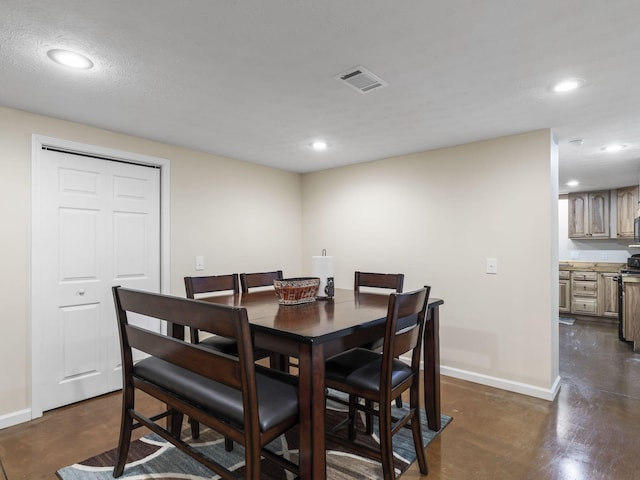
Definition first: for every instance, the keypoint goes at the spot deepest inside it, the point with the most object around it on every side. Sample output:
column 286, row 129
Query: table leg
column 279, row 362
column 431, row 355
column 312, row 412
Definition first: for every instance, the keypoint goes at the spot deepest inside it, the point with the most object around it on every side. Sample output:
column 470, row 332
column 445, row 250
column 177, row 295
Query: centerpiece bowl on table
column 294, row 291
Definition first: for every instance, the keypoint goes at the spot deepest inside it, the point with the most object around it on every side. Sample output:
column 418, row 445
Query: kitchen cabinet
column 631, row 314
column 589, row 290
column 589, row 215
column 565, row 291
column 584, row 293
column 608, row 295
column 627, row 205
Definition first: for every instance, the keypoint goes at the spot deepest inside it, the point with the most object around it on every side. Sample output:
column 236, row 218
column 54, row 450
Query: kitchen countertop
column 591, row 266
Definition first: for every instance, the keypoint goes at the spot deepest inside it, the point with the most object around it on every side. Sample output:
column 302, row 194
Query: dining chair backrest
column 261, row 279
column 210, row 317
column 406, row 315
column 209, row 284
column 217, row 389
column 393, row 281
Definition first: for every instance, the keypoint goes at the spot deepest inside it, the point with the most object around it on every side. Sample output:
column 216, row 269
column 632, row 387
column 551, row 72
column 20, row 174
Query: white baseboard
column 21, row 416
column 501, row 383
column 14, row 418
column 511, row 386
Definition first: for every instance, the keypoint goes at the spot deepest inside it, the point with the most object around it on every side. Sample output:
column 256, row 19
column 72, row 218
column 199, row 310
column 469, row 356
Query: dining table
column 314, row 331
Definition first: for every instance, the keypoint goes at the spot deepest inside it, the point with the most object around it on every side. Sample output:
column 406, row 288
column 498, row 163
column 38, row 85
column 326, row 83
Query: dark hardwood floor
column 591, row 431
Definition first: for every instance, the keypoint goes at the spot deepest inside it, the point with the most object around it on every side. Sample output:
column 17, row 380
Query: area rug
column 152, row 457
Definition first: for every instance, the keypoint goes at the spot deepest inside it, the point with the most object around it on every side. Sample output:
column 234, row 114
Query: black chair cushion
column 277, row 392
column 229, row 346
column 360, row 368
column 220, row 344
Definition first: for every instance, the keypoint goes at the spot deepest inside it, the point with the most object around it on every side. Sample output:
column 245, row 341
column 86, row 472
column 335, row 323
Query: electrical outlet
column 199, row 263
column 492, row 265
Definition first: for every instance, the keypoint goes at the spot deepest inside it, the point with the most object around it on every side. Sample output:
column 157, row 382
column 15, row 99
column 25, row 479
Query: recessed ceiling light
column 572, row 183
column 319, row 145
column 568, row 85
column 70, row 59
column 576, row 142
column 613, row 148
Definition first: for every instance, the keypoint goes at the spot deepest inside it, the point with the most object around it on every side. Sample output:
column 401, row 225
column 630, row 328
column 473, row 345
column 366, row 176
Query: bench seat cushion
column 277, row 392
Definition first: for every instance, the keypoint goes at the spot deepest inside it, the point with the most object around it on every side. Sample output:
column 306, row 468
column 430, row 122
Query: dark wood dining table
column 312, row 332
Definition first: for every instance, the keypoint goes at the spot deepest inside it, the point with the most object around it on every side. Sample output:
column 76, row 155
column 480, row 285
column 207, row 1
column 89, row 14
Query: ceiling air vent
column 361, row 79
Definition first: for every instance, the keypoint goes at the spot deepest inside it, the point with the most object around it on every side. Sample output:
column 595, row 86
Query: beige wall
column 437, row 216
column 239, row 216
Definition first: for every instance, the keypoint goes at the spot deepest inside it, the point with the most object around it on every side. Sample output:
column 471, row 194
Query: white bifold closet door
column 101, row 227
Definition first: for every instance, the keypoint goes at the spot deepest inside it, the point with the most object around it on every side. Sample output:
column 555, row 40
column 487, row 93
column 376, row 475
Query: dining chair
column 381, row 377
column 393, row 281
column 195, row 286
column 199, row 286
column 390, row 281
column 261, row 279
column 244, row 402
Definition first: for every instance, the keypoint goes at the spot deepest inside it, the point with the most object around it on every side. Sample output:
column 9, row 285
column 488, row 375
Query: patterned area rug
column 152, row 457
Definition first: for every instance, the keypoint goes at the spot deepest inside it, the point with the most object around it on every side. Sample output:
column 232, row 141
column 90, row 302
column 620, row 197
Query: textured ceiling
column 253, row 79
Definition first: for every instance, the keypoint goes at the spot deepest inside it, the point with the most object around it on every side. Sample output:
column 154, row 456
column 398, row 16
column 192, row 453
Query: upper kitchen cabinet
column 589, row 215
column 627, row 203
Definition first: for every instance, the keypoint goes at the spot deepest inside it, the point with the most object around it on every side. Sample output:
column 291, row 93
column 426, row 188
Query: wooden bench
column 248, row 404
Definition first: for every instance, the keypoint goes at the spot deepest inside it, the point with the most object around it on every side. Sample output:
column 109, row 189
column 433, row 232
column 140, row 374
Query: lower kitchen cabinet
column 589, row 290
column 584, row 293
column 631, row 314
column 608, row 295
column 565, row 291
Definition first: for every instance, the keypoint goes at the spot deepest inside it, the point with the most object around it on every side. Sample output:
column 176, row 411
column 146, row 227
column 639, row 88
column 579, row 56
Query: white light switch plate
column 199, row 263
column 492, row 265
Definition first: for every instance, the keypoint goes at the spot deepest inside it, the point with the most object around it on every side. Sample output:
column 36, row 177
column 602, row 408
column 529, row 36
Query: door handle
column 81, row 291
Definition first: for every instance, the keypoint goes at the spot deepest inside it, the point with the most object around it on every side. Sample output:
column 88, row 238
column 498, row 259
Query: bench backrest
column 232, row 322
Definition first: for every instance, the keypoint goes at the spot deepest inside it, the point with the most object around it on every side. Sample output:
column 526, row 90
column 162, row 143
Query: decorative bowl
column 293, row 291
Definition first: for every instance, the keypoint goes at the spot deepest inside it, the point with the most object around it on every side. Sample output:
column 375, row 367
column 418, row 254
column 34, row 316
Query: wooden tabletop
column 318, row 321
